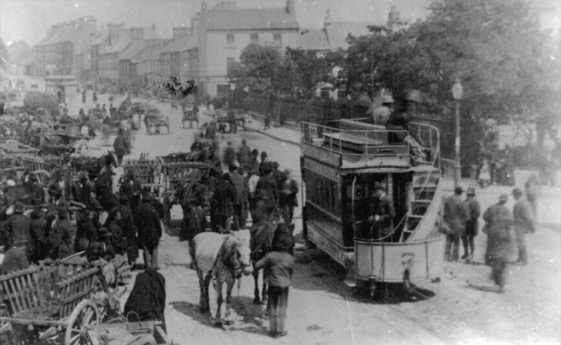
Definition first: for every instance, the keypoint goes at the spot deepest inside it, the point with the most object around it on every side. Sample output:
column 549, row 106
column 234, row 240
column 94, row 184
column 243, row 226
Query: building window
column 229, row 62
column 230, row 40
column 254, row 38
column 277, row 38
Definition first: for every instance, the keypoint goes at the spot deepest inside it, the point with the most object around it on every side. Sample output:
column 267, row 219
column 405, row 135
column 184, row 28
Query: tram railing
column 356, row 140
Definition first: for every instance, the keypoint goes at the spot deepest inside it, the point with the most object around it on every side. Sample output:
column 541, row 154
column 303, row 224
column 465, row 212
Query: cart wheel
column 83, row 317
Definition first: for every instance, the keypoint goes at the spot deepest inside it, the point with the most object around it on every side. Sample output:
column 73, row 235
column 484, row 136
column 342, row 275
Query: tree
column 256, row 69
column 494, row 46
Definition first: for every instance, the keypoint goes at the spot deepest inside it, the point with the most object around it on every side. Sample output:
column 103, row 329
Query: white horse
column 223, row 257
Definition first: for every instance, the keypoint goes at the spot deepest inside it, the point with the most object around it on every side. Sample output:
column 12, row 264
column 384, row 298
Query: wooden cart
column 49, row 303
column 157, row 125
column 178, row 170
column 147, row 172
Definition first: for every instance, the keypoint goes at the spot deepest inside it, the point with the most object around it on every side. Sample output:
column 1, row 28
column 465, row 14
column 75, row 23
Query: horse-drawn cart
column 157, row 125
column 49, row 303
column 146, row 171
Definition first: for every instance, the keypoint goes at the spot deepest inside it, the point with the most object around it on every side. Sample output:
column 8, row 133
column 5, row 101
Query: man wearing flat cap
column 455, row 216
column 523, row 224
column 498, row 228
column 61, row 234
column 383, row 212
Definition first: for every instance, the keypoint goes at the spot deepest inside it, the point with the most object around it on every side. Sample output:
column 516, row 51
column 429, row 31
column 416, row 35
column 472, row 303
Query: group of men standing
column 502, row 227
column 250, row 187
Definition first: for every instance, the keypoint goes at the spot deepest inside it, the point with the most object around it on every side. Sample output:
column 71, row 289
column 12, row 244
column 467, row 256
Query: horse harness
column 235, row 270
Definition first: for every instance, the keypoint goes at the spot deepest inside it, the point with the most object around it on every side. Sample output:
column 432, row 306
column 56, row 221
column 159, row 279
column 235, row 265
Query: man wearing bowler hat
column 383, row 212
column 455, row 216
column 472, row 225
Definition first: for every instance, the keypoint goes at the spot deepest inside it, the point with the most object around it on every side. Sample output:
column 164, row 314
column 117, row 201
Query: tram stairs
column 423, row 218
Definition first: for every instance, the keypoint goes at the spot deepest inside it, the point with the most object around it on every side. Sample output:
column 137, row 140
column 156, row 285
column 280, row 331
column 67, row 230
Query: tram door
column 359, row 195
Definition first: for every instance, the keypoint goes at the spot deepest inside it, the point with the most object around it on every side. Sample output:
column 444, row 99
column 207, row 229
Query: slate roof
column 133, row 50
column 177, row 45
column 337, row 32
column 248, row 19
column 314, row 40
column 150, row 52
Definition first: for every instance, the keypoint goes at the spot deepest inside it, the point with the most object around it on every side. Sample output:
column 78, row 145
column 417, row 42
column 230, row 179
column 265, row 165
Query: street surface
column 323, row 310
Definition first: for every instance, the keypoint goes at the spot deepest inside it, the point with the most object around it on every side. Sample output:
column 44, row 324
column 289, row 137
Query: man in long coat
column 241, row 197
column 121, row 146
column 18, row 230
column 129, row 230
column 61, row 236
column 149, row 230
column 224, row 197
column 288, row 198
column 455, row 216
column 523, row 224
column 499, row 225
column 244, row 156
column 472, row 224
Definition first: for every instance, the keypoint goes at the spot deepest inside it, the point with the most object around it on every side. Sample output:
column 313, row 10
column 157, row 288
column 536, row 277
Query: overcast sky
column 29, row 19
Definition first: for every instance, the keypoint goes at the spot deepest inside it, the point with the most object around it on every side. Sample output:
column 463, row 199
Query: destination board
column 321, row 169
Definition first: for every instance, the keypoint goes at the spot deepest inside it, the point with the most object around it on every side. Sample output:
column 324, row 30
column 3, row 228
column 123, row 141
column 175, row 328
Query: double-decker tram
column 342, row 165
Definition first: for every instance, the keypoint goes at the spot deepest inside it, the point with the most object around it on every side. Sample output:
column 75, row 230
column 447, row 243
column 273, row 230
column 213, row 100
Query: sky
column 29, row 20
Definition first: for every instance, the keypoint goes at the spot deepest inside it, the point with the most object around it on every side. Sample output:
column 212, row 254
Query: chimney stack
column 290, row 7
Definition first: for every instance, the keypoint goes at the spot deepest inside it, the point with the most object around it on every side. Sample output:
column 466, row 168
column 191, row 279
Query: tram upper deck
column 355, row 144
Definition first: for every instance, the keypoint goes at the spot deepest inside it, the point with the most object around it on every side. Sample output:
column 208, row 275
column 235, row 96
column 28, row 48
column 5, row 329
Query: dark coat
column 241, row 188
column 474, row 211
column 18, row 230
column 129, row 231
column 288, row 193
column 244, row 156
column 224, row 198
column 148, row 296
column 499, row 224
column 61, row 239
column 121, row 145
column 523, row 217
column 456, row 214
column 384, row 208
column 267, row 185
column 132, row 191
column 148, row 225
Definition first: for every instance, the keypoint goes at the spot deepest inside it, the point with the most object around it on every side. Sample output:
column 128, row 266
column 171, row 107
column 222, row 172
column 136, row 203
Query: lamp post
column 457, row 91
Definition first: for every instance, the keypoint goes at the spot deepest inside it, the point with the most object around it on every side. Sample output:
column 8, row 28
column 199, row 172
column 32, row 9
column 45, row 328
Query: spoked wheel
column 82, row 319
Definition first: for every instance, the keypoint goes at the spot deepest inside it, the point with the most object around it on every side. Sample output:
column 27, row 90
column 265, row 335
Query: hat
column 458, row 190
column 378, row 186
column 18, row 207
column 387, row 99
column 471, row 191
column 255, row 151
column 130, row 172
column 263, row 154
column 516, row 191
column 233, row 167
column 503, row 197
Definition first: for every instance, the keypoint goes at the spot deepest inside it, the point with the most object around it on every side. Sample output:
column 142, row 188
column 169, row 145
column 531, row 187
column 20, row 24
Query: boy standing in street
column 523, row 224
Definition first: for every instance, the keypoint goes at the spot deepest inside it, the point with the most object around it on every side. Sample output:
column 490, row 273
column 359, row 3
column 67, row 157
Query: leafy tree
column 494, row 46
column 256, row 69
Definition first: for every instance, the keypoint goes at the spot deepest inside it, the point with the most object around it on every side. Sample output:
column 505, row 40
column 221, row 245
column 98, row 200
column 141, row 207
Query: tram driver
column 383, row 212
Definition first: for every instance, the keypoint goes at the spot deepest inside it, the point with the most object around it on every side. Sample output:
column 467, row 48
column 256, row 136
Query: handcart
column 49, row 303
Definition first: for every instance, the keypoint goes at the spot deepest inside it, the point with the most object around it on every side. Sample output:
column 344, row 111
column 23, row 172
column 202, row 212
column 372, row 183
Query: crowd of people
column 503, row 228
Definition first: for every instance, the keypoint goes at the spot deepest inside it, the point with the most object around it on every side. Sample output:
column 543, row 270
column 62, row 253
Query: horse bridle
column 235, row 269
